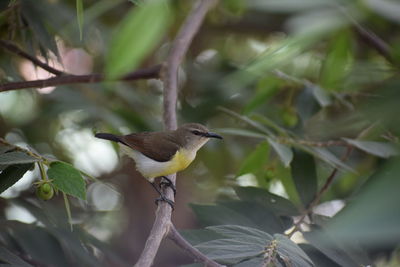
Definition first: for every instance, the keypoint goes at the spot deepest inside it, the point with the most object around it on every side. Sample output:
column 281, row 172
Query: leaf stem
column 42, row 172
column 68, row 209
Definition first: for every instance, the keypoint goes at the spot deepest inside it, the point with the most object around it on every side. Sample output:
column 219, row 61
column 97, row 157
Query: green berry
column 45, row 191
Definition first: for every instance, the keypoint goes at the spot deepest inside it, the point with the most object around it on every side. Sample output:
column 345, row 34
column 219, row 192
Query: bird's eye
column 196, row 132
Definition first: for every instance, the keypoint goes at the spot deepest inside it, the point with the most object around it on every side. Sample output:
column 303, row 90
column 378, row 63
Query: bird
column 158, row 154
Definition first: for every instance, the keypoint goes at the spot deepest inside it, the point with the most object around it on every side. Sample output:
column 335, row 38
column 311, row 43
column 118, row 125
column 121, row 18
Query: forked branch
column 162, row 224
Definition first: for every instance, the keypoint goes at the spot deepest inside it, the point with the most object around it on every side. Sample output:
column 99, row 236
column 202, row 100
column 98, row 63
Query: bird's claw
column 163, row 198
column 168, row 182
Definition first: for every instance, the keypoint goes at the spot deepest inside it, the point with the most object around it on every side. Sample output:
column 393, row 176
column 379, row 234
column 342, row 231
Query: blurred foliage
column 291, row 84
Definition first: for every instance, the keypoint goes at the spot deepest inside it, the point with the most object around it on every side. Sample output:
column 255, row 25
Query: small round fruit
column 45, row 191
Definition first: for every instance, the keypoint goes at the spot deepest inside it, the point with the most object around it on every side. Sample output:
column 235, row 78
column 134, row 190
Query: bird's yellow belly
column 151, row 169
column 181, row 161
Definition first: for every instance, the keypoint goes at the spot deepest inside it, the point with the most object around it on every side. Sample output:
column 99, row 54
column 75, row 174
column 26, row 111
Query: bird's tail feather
column 108, row 136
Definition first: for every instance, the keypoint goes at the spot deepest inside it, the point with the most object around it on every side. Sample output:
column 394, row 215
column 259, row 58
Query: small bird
column 158, row 154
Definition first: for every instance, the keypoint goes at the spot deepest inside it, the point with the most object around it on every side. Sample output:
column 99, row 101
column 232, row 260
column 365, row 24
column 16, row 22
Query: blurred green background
column 288, row 83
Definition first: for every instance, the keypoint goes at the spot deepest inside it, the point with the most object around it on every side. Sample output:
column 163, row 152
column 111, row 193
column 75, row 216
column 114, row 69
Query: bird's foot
column 163, row 198
column 168, row 182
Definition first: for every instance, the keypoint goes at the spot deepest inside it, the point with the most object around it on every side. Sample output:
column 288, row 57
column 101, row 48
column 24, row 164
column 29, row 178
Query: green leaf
column 380, row 149
column 247, row 120
column 285, row 177
column 240, row 243
column 16, row 157
column 317, row 257
column 3, row 167
column 284, row 152
column 322, row 97
column 286, row 248
column 304, row 176
column 197, row 236
column 271, row 59
column 33, row 14
column 67, row 179
column 12, row 174
column 257, row 261
column 5, row 148
column 306, row 104
column 328, row 157
column 262, row 216
column 331, row 249
column 337, row 63
column 240, row 132
column 373, row 216
column 286, row 6
column 9, row 257
column 136, row 2
column 137, row 36
column 278, row 204
column 79, row 17
column 230, row 251
column 40, row 244
column 237, row 231
column 256, row 160
column 266, row 88
column 206, row 214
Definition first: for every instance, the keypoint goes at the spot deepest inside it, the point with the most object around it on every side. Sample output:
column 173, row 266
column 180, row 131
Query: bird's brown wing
column 154, row 145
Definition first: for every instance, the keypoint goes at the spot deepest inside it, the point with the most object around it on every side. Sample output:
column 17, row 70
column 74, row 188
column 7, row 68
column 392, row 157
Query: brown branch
column 320, row 193
column 175, row 236
column 370, row 38
column 189, row 28
column 18, row 51
column 374, row 41
column 178, row 50
column 147, row 73
column 329, row 143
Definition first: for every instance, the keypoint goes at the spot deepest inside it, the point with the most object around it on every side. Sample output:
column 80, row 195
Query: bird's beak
column 213, row 135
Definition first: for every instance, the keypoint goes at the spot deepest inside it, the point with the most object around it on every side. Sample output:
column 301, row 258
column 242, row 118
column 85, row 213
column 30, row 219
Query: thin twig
column 374, row 41
column 178, row 51
column 175, row 236
column 370, row 38
column 329, row 143
column 26, row 151
column 179, row 47
column 147, row 73
column 18, row 51
column 320, row 193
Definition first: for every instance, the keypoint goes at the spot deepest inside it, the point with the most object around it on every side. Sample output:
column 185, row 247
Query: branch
column 189, row 28
column 175, row 236
column 147, row 73
column 375, row 42
column 329, row 143
column 178, row 50
column 18, row 51
column 370, row 38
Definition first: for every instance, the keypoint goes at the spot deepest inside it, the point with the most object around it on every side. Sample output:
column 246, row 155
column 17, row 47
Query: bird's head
column 194, row 135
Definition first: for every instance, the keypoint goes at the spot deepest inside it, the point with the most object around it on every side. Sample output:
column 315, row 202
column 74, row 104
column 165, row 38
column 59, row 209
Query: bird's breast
column 183, row 158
